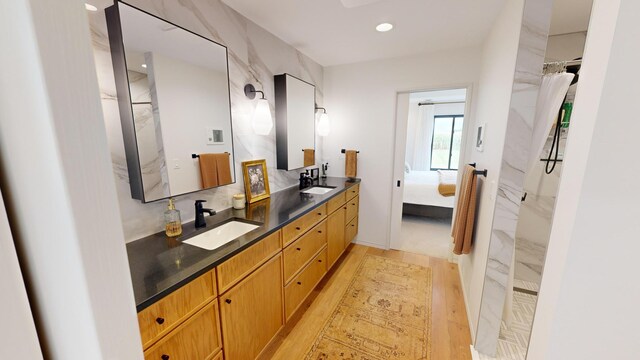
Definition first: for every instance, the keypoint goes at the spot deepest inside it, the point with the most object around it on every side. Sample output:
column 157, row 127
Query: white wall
column 565, row 47
column 361, row 99
column 588, row 303
column 58, row 186
column 492, row 108
column 18, row 337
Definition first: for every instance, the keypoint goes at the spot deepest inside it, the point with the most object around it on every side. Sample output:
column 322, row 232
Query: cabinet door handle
column 320, row 214
column 353, row 224
column 320, row 260
column 354, row 204
column 299, row 283
column 228, row 301
column 319, row 231
column 297, row 228
column 298, row 249
column 164, row 357
column 345, row 208
column 160, row 320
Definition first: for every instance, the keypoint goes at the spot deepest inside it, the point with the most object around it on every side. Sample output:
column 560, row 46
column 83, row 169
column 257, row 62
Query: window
column 446, row 142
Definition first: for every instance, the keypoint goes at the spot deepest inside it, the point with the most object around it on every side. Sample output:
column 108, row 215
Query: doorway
column 430, row 137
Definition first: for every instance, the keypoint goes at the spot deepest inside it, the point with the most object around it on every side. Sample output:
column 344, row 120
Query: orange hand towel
column 309, row 157
column 208, row 170
column 462, row 230
column 223, row 162
column 351, row 164
column 215, row 170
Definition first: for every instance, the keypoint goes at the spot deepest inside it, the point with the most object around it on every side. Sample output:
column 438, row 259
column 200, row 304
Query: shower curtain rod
column 566, row 63
column 440, row 102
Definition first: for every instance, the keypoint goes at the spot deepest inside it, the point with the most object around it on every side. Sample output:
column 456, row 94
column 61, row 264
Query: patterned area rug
column 384, row 314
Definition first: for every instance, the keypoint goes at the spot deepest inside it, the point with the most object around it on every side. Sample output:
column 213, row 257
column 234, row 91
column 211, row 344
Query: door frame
column 400, row 146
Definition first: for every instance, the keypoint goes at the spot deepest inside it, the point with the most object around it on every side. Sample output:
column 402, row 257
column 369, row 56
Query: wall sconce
column 324, row 125
column 262, row 122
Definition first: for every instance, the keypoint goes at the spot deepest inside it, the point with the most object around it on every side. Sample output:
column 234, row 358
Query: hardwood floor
column 450, row 329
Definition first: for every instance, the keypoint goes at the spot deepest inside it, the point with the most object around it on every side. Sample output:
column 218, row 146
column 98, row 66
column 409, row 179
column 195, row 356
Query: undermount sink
column 221, row 235
column 318, row 190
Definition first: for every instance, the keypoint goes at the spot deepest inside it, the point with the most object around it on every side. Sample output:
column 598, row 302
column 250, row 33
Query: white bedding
column 421, row 188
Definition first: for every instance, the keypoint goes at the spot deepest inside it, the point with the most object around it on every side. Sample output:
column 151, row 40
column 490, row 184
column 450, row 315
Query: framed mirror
column 175, row 109
column 295, row 122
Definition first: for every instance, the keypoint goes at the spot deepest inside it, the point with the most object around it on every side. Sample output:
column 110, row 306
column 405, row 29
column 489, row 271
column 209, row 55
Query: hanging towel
column 462, row 230
column 214, row 170
column 351, row 164
column 223, row 163
column 309, row 157
column 208, row 170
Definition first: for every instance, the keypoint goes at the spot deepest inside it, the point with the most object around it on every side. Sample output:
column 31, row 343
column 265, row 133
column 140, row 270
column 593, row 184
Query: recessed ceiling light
column 144, row 66
column 90, row 7
column 384, row 27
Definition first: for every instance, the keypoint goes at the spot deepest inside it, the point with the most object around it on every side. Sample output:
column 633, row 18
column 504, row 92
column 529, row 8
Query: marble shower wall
column 531, row 50
column 255, row 56
column 536, row 215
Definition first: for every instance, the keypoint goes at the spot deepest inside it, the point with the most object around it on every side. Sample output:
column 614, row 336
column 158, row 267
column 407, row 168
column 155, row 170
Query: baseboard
column 365, row 243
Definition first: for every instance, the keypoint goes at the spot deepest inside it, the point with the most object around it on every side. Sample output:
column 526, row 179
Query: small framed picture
column 256, row 180
column 480, row 137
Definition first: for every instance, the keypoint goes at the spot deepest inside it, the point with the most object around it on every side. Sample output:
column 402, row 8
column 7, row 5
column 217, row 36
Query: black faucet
column 305, row 180
column 200, row 222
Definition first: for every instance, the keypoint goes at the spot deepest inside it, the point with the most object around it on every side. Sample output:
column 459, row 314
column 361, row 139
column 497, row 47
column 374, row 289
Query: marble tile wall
column 536, row 214
column 530, row 59
column 255, row 56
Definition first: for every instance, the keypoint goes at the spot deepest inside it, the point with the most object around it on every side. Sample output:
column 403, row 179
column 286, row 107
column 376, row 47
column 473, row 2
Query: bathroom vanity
column 232, row 301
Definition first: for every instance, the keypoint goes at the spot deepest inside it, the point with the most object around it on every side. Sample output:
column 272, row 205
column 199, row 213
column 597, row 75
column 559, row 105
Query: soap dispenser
column 172, row 222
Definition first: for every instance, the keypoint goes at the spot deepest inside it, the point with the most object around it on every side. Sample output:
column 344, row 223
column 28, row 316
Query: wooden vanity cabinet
column 259, row 289
column 336, row 223
column 197, row 338
column 300, row 226
column 165, row 315
column 252, row 311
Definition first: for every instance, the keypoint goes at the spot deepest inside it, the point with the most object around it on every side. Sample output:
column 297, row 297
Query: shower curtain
column 553, row 89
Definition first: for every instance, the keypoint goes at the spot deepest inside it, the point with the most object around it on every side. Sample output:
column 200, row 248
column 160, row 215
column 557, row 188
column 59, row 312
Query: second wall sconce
column 262, row 121
column 324, row 125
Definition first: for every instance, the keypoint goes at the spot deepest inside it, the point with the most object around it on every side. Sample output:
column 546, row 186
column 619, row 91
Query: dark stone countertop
column 159, row 264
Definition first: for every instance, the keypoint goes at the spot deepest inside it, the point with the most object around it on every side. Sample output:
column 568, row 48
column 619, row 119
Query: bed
column 421, row 196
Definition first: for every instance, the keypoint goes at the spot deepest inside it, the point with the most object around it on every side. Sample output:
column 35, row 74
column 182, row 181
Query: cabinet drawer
column 302, row 285
column 159, row 318
column 351, row 231
column 336, row 202
column 352, row 208
column 353, row 191
column 303, row 249
column 238, row 267
column 198, row 338
column 293, row 231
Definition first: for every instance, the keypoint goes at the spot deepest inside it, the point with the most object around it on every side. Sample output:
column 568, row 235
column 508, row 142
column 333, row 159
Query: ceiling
column 333, row 32
column 570, row 16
